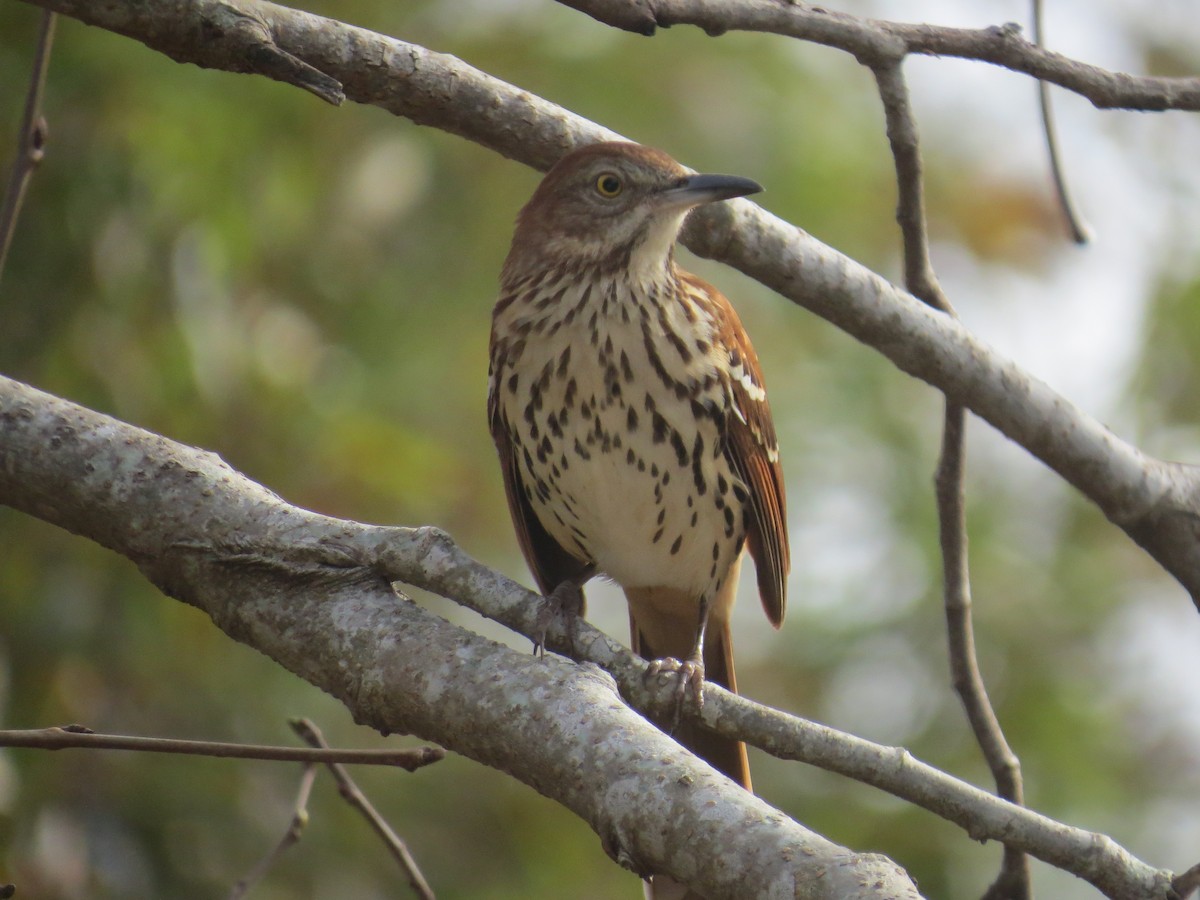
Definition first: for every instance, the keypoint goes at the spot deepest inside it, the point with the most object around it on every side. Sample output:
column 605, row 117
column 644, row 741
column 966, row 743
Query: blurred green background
column 306, row 291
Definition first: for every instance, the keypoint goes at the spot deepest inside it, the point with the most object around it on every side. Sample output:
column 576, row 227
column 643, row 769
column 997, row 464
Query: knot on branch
column 432, row 541
column 248, row 35
column 1007, row 32
column 882, row 49
column 35, row 149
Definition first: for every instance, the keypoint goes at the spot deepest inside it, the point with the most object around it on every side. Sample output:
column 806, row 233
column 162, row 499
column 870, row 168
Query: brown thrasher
column 628, row 410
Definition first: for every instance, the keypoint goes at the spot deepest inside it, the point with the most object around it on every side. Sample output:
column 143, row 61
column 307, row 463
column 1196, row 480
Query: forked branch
column 865, row 38
column 311, row 734
column 291, row 835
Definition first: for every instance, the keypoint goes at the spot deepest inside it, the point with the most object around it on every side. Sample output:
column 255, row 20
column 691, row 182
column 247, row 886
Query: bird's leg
column 688, row 671
column 565, row 603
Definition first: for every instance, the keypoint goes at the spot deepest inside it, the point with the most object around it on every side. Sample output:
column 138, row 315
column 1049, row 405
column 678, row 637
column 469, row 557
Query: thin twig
column 1080, row 232
column 31, row 140
column 350, row 792
column 294, row 831
column 1014, row 881
column 78, row 736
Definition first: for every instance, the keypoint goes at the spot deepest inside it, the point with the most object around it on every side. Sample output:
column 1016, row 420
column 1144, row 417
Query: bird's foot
column 564, row 603
column 689, row 687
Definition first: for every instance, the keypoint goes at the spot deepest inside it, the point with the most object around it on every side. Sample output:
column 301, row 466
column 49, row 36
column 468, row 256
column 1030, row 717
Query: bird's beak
column 696, row 189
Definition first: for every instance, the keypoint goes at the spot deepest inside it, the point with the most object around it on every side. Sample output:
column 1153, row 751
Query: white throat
column 648, row 262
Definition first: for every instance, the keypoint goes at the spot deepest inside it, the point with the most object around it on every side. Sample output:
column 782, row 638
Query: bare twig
column 291, row 836
column 1014, row 880
column 1080, row 233
column 350, row 792
column 78, row 736
column 1187, row 883
column 31, row 139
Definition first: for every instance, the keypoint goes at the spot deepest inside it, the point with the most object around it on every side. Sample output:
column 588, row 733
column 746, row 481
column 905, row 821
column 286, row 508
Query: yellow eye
column 608, row 185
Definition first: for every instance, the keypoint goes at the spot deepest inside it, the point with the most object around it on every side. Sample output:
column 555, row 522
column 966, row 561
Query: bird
column 630, row 418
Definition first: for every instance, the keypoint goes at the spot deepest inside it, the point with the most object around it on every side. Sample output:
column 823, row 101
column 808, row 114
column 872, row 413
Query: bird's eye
column 608, row 185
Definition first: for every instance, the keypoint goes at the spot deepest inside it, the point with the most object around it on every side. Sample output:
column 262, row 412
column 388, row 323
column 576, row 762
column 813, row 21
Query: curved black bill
column 696, row 189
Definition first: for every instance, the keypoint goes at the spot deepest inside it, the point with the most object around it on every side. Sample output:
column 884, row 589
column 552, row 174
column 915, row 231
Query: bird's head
column 613, row 205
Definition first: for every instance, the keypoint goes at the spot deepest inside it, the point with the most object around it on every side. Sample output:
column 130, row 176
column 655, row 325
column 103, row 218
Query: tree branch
column 865, row 38
column 406, row 79
column 429, row 559
column 204, row 534
column 1014, row 880
column 312, row 593
column 1157, row 503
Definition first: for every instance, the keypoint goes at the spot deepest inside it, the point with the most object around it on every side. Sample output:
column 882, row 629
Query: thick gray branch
column 313, row 593
column 429, row 559
column 427, row 87
column 1156, row 503
column 289, row 583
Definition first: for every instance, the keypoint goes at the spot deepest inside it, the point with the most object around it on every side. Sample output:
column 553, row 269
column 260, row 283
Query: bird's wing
column 754, row 454
column 549, row 561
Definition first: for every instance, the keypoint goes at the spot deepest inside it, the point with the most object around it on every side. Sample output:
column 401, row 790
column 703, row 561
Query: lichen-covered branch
column 314, row 593
column 290, row 583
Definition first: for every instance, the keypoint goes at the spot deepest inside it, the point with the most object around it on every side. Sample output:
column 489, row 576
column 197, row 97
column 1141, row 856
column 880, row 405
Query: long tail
column 663, row 624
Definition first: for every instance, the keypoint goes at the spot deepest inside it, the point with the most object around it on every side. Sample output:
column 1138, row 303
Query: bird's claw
column 565, row 602
column 689, row 686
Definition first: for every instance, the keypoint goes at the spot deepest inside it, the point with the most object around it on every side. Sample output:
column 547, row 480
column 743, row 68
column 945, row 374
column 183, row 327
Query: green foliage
column 306, row 291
